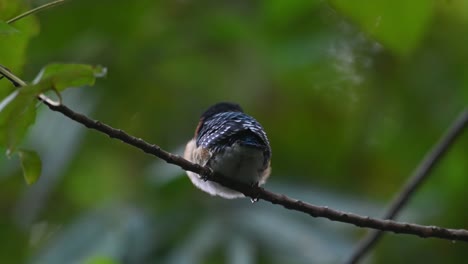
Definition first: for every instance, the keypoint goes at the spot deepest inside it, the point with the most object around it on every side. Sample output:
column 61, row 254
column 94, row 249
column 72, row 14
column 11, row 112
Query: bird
column 232, row 144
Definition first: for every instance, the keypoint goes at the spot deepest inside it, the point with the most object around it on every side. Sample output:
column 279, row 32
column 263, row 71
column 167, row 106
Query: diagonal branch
column 35, row 10
column 417, row 178
column 252, row 191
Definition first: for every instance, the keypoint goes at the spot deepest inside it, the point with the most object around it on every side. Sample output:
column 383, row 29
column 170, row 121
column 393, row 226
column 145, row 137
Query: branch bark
column 251, row 191
column 417, row 178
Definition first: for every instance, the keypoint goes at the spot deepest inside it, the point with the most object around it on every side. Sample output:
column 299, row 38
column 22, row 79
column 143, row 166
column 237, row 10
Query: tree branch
column 417, row 178
column 252, row 191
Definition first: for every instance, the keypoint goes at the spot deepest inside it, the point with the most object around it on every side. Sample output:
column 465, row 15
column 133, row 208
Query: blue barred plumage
column 231, row 143
column 226, row 128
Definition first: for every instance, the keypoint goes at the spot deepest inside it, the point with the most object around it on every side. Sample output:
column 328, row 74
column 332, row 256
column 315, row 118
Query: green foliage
column 17, row 113
column 18, row 110
column 13, row 46
column 58, row 77
column 31, row 165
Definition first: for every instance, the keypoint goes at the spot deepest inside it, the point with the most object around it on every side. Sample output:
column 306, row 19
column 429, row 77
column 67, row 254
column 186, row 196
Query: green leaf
column 17, row 113
column 398, row 24
column 62, row 76
column 13, row 46
column 6, row 29
column 31, row 165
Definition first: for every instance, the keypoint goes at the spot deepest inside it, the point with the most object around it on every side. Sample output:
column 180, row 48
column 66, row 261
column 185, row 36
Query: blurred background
column 352, row 95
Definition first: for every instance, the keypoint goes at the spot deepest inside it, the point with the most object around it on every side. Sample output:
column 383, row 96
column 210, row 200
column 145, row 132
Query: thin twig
column 257, row 192
column 17, row 82
column 417, row 178
column 35, row 10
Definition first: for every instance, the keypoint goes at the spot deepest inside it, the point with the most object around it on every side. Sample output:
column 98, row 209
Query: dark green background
column 352, row 95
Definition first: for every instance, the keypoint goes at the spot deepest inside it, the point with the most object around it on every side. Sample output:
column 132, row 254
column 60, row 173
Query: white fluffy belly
column 240, row 163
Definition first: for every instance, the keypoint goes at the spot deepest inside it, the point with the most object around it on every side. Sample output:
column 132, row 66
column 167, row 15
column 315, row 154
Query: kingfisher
column 232, row 144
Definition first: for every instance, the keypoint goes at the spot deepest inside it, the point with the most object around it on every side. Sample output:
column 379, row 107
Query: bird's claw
column 204, row 178
column 255, row 197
